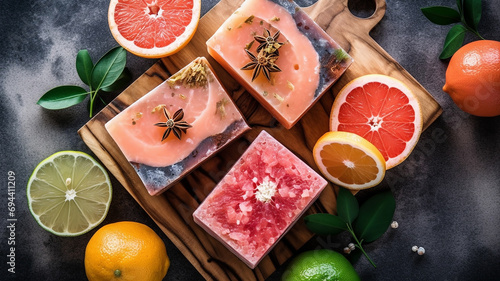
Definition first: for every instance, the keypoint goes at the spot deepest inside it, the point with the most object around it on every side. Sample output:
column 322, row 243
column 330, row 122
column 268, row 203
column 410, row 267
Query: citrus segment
column 153, row 28
column 349, row 160
column 69, row 193
column 382, row 110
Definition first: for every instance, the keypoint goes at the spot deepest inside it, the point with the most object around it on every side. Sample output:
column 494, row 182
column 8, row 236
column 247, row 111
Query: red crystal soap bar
column 161, row 160
column 259, row 199
column 309, row 59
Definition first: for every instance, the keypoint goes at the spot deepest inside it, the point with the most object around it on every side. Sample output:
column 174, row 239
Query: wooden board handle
column 324, row 10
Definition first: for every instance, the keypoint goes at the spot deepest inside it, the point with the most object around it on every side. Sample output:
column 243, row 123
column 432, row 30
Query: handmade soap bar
column 172, row 129
column 259, row 199
column 280, row 55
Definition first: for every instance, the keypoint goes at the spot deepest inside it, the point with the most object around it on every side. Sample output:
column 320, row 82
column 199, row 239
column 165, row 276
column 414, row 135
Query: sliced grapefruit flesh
column 349, row 160
column 153, row 28
column 382, row 110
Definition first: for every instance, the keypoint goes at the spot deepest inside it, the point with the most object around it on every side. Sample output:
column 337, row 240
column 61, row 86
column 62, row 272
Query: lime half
column 69, row 193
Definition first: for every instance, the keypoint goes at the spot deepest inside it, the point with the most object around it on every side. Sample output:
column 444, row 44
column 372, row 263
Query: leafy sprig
column 365, row 224
column 107, row 75
column 466, row 18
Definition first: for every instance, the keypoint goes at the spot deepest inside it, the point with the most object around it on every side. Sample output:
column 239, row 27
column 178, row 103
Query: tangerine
column 126, row 251
column 473, row 78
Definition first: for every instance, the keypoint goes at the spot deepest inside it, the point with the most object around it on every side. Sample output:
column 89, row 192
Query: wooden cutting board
column 172, row 210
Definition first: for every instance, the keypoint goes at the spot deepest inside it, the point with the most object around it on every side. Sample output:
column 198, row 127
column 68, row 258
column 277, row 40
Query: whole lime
column 324, row 265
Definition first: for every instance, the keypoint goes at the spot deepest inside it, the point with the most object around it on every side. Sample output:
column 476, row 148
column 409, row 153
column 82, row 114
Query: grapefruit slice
column 349, row 160
column 153, row 28
column 382, row 110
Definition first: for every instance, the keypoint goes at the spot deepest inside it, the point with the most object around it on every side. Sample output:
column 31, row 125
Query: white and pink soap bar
column 259, row 199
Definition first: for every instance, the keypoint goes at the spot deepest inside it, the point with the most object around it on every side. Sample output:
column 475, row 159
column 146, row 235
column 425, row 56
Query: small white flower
column 394, row 224
column 414, row 248
column 421, row 251
column 351, row 246
column 347, row 250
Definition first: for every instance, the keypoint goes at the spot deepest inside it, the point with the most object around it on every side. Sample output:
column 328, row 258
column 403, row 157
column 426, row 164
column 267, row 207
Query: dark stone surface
column 447, row 192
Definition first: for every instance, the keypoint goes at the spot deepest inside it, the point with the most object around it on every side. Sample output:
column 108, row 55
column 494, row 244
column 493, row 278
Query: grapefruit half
column 384, row 111
column 153, row 28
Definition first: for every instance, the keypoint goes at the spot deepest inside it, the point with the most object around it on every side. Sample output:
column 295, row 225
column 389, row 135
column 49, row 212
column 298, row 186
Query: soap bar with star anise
column 172, row 129
column 280, row 55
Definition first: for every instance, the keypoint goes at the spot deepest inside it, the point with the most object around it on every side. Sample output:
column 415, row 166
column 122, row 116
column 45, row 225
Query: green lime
column 320, row 265
column 69, row 193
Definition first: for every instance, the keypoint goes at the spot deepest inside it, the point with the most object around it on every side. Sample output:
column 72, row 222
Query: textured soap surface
column 309, row 59
column 207, row 108
column 259, row 200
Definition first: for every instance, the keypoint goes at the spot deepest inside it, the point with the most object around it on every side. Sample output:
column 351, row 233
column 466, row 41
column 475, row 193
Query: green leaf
column 375, row 216
column 325, row 224
column 120, row 83
column 347, row 205
column 62, row 97
column 453, row 42
column 84, row 66
column 472, row 12
column 441, row 15
column 108, row 68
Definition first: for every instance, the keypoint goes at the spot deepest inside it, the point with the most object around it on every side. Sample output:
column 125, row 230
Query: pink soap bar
column 259, row 199
column 308, row 60
column 162, row 159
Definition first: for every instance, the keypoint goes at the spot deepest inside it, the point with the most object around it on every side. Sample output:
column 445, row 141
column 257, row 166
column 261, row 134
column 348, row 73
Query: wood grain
column 173, row 209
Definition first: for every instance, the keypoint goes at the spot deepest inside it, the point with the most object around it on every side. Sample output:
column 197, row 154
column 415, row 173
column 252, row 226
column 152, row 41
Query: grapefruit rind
column 357, row 142
column 391, row 82
column 155, row 52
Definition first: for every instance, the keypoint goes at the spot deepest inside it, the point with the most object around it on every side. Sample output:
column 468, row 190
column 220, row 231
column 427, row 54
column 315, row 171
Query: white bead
column 421, row 251
column 394, row 224
column 414, row 248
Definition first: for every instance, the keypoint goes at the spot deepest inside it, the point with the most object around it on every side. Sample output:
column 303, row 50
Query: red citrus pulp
column 382, row 110
column 153, row 28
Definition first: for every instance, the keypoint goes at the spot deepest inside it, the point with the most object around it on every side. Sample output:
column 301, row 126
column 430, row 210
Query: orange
column 153, row 28
column 349, row 160
column 382, row 110
column 126, row 251
column 473, row 78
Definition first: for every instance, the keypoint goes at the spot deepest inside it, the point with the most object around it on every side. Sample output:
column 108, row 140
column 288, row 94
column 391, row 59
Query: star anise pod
column 174, row 124
column 268, row 43
column 264, row 62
